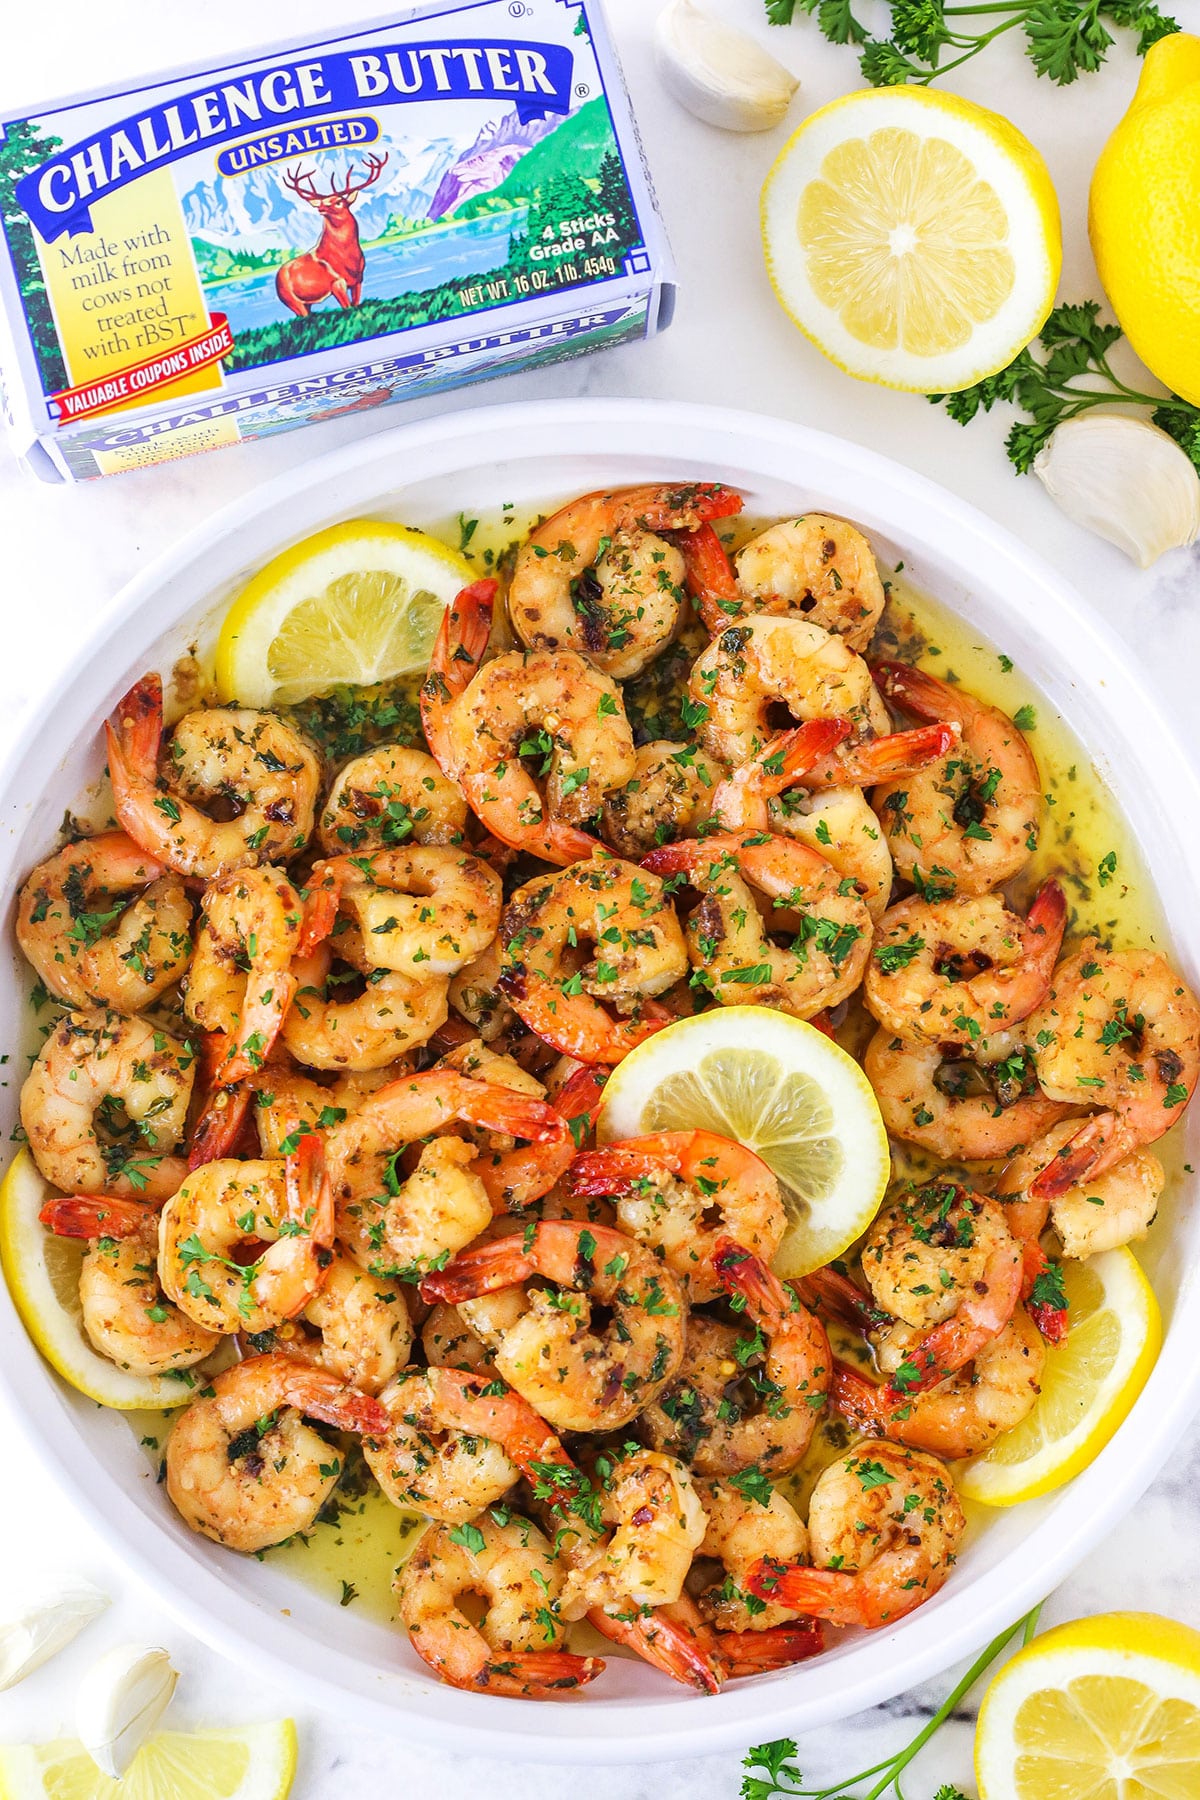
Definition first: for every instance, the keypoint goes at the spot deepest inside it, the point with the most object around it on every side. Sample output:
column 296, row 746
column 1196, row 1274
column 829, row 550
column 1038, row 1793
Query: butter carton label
column 170, row 244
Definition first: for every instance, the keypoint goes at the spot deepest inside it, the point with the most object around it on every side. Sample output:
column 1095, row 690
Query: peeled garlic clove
column 38, row 1621
column 120, row 1701
column 1125, row 480
column 717, row 72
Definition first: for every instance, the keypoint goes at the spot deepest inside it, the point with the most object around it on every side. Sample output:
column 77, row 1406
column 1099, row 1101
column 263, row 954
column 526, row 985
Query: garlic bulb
column 1125, row 480
column 120, row 1701
column 39, row 1620
column 717, row 72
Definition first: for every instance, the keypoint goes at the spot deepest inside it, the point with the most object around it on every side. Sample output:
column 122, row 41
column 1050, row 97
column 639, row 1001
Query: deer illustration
column 335, row 266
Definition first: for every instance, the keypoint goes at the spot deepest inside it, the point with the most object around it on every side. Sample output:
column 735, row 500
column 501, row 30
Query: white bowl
column 474, row 462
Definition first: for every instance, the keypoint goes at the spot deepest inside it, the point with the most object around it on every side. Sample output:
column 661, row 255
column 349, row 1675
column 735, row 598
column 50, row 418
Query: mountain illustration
column 494, row 154
column 256, row 214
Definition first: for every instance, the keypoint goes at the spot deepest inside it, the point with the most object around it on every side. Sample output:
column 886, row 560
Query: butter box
column 453, row 192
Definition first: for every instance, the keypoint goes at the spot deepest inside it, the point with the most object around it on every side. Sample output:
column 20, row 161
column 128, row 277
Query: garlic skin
column 120, row 1701
column 1124, row 479
column 40, row 1620
column 717, row 72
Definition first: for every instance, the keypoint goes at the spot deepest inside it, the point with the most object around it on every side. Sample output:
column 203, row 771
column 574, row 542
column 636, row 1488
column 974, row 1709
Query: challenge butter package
column 455, row 192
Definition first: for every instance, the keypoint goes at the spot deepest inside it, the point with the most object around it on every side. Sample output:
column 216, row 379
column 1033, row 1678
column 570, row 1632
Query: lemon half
column 783, row 1089
column 1102, row 1709
column 913, row 236
column 1088, row 1384
column 248, row 1762
column 358, row 604
column 42, row 1272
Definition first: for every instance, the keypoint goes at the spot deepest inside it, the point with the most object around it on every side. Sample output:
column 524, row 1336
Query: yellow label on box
column 128, row 289
column 166, row 446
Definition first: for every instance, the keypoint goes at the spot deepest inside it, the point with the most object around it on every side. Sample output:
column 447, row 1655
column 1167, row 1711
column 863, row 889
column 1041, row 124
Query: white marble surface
column 68, row 550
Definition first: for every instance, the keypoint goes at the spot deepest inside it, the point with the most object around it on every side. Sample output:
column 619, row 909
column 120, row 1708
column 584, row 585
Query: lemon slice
column 357, row 604
column 1101, row 1709
column 247, row 1762
column 913, row 236
column 1088, row 1384
column 42, row 1272
column 785, row 1090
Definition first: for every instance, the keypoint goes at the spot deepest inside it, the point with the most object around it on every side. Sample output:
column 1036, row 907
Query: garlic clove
column 120, row 1701
column 1124, row 479
column 39, row 1620
column 719, row 73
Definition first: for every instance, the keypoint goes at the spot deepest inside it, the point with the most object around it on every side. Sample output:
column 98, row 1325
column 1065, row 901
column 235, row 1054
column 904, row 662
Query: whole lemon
column 1144, row 215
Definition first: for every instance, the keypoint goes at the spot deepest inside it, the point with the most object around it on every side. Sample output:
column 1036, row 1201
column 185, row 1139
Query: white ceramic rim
column 963, row 1615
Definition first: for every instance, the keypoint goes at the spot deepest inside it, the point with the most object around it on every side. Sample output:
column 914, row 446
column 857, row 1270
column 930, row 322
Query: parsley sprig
column 1061, row 382
column 773, row 1768
column 1063, row 38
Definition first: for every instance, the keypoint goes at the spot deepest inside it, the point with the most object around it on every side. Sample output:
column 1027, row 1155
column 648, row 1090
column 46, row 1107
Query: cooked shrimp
column 1101, row 1212
column 630, row 924
column 550, row 704
column 681, row 1192
column 742, row 1528
column 391, row 1222
column 288, row 1102
column 673, row 1639
column 422, row 911
column 966, row 1104
column 747, row 1398
column 241, row 981
column 950, row 971
column 828, row 927
column 669, row 796
column 370, row 1030
column 457, row 1442
column 884, row 1527
column 126, row 1315
column 971, row 821
column 942, row 1260
column 515, row 1649
column 286, row 1210
column 961, row 1416
column 820, row 567
column 597, row 578
column 244, row 1468
column 247, row 762
column 356, row 1325
column 1119, row 1029
column 838, row 824
column 449, row 1342
column 752, row 669
column 390, row 796
column 104, row 924
column 581, row 1376
column 655, row 1524
column 105, row 1106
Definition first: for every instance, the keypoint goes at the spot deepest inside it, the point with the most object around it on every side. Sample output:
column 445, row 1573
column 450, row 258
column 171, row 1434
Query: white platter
column 474, row 462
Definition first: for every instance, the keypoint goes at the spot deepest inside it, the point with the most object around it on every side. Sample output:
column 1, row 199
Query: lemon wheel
column 782, row 1088
column 42, row 1272
column 358, row 604
column 1106, row 1708
column 913, row 236
column 1088, row 1384
column 250, row 1762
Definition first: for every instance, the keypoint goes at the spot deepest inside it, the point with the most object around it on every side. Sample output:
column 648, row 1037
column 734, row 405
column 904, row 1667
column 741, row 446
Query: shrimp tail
column 499, row 1264
column 669, row 1644
column 1049, row 1317
column 219, row 1125
column 580, row 1097
column 864, row 1404
column 92, row 1216
column 310, row 1190
column 687, row 507
column 825, row 1593
column 320, row 907
column 1047, row 917
column 533, row 1674
column 457, row 653
column 1097, row 1145
column 709, row 578
column 832, row 1291
column 745, row 1653
column 619, row 1169
column 916, row 691
column 137, row 727
column 896, row 753
column 739, row 1271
